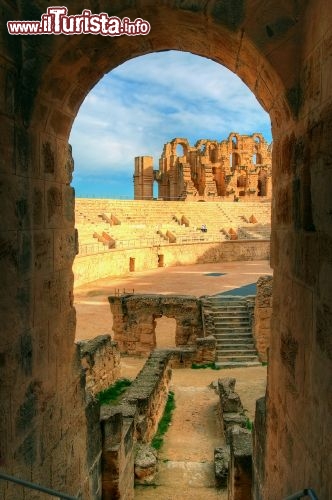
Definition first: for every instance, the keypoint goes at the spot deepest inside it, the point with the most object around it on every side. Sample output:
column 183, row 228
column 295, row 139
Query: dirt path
column 186, row 457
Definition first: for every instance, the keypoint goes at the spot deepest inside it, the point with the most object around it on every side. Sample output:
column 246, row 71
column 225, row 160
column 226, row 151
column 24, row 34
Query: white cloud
column 150, row 100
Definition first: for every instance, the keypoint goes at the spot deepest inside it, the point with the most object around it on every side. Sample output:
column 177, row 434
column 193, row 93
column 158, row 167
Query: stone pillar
column 143, row 178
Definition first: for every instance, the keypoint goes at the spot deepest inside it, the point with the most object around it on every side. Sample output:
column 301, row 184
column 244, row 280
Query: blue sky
column 148, row 101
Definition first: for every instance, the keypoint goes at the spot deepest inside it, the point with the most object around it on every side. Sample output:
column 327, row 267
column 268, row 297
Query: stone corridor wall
column 262, row 316
column 283, row 52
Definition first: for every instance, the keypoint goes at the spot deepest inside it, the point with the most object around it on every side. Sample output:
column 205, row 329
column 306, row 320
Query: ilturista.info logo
column 56, row 21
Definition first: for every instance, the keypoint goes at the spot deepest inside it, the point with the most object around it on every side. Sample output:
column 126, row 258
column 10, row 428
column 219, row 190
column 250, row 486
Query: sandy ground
column 185, row 466
column 93, row 310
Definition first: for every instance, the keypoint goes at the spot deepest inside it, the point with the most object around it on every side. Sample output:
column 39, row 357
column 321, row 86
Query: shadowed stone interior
column 283, row 52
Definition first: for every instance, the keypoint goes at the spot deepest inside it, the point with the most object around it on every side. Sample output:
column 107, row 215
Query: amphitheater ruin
column 239, row 167
column 52, row 431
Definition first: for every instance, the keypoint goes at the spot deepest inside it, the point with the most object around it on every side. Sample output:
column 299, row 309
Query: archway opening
column 94, row 152
column 180, row 152
column 165, row 332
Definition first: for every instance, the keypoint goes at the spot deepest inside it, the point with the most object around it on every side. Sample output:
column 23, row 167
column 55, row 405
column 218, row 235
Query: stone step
column 228, row 319
column 237, row 342
column 239, row 339
column 228, row 322
column 229, row 314
column 221, row 352
column 225, row 303
column 235, row 345
column 232, row 326
column 230, row 306
column 236, row 364
column 237, row 357
column 241, row 330
column 231, row 321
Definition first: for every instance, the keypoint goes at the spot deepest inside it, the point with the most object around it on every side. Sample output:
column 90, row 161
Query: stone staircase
column 227, row 318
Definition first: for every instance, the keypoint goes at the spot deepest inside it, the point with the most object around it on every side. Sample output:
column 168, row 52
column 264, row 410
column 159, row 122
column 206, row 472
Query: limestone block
column 54, row 206
column 6, row 147
column 231, row 421
column 229, row 400
column 240, row 474
column 100, row 361
column 145, row 464
column 221, row 465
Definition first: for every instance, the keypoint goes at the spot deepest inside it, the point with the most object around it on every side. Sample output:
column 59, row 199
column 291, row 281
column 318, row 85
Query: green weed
column 164, row 422
column 113, row 393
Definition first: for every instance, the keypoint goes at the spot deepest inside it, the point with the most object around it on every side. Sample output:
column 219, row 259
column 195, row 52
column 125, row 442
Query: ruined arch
column 262, row 187
column 45, row 81
column 213, row 153
column 180, row 146
column 235, row 161
column 257, row 158
column 234, row 141
column 180, row 150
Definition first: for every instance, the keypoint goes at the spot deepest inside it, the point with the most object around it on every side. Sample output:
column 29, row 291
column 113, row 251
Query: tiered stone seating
column 125, row 224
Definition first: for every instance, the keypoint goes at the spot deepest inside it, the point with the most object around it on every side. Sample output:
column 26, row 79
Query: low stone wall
column 240, row 467
column 205, row 351
column 134, row 320
column 262, row 316
column 117, row 462
column 100, row 360
column 234, row 460
column 89, row 268
column 134, row 419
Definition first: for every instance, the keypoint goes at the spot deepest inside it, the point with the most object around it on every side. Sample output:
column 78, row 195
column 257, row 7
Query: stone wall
column 117, row 262
column 100, row 359
column 262, row 316
column 284, row 54
column 234, row 460
column 133, row 420
column 134, row 320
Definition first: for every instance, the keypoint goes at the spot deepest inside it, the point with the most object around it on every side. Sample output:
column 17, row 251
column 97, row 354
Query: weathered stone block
column 221, row 465
column 145, row 464
column 229, row 400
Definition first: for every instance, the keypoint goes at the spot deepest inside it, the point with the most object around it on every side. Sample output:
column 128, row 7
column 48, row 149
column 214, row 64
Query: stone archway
column 283, row 54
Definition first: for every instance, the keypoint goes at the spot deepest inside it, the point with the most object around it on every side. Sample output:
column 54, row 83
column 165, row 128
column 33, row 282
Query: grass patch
column 249, row 425
column 265, row 363
column 212, row 365
column 113, row 393
column 164, row 422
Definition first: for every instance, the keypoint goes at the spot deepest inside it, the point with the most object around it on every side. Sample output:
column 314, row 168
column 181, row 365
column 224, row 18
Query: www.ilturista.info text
column 56, row 22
